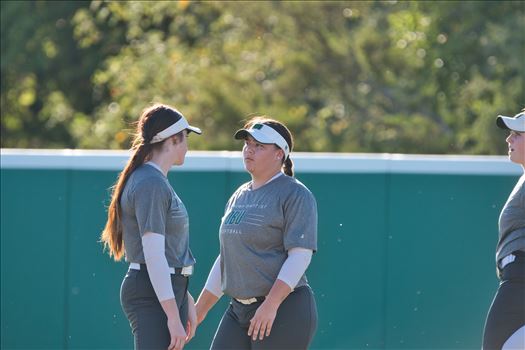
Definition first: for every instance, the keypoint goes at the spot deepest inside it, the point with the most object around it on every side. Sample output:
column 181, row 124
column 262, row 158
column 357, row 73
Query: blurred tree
column 45, row 79
column 410, row 77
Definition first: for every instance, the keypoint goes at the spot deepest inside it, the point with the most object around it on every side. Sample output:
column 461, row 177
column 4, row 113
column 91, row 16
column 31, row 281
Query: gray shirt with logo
column 512, row 222
column 258, row 228
column 149, row 204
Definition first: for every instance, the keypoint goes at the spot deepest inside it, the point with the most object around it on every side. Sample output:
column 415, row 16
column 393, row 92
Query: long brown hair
column 152, row 120
column 283, row 131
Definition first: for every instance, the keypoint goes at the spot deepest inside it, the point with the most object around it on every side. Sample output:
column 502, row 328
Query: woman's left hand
column 191, row 326
column 262, row 321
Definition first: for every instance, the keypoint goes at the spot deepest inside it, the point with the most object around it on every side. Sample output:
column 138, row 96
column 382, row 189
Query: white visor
column 265, row 134
column 517, row 123
column 181, row 124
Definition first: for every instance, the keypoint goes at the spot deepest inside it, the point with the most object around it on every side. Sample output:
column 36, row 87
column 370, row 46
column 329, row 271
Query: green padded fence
column 405, row 260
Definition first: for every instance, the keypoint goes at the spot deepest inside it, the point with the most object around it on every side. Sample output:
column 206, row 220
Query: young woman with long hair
column 148, row 225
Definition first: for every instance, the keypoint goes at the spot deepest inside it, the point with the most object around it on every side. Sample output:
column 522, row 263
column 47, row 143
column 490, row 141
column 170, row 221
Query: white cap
column 516, row 123
column 181, row 124
column 265, row 134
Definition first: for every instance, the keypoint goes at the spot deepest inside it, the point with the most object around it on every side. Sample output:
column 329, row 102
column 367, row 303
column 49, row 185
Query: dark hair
column 152, row 120
column 283, row 131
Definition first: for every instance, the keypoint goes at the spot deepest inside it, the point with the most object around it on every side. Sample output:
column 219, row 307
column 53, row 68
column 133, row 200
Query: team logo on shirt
column 244, row 216
column 235, row 217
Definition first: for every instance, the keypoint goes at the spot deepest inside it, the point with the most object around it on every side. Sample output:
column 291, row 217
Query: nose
column 509, row 139
column 248, row 149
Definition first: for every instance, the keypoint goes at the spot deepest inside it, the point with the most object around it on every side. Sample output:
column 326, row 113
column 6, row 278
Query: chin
column 248, row 166
column 515, row 159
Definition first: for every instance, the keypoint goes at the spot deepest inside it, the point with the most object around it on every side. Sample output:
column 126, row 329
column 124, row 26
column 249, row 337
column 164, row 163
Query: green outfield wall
column 405, row 259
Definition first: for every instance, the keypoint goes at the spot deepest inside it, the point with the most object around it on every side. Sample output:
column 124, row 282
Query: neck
column 261, row 179
column 162, row 162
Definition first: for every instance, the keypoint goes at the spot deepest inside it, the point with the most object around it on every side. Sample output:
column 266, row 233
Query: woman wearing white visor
column 148, row 223
column 267, row 236
column 505, row 324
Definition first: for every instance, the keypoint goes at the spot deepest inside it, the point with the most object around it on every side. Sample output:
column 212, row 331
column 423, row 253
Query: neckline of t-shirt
column 155, row 166
column 275, row 177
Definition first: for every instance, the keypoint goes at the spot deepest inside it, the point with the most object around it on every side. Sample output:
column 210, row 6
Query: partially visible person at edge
column 505, row 324
column 148, row 224
column 267, row 237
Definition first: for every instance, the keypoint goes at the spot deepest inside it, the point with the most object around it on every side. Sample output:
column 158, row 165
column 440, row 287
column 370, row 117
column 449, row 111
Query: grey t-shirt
column 258, row 228
column 149, row 204
column 512, row 222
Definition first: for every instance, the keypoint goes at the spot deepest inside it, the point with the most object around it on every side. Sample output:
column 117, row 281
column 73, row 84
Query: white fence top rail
column 303, row 162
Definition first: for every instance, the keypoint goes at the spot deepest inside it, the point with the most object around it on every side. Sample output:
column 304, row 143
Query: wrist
column 190, row 298
column 175, row 321
column 170, row 309
column 273, row 302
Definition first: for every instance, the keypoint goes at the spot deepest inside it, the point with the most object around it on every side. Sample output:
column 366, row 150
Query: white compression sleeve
column 214, row 282
column 158, row 270
column 516, row 340
column 295, row 265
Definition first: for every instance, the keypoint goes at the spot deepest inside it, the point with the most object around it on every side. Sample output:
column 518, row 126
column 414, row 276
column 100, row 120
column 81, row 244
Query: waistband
column 250, row 301
column 184, row 271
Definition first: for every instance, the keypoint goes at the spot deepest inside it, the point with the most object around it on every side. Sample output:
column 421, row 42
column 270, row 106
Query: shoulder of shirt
column 243, row 187
column 239, row 190
column 293, row 185
column 149, row 177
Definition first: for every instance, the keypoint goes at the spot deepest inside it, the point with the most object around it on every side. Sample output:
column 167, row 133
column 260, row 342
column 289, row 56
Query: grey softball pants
column 293, row 328
column 145, row 314
column 507, row 312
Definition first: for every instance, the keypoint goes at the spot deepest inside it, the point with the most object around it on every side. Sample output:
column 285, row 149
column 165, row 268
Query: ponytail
column 153, row 120
column 112, row 233
column 288, row 166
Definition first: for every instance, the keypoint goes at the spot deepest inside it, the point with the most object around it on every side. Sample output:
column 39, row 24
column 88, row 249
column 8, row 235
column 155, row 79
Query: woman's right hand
column 177, row 334
column 204, row 304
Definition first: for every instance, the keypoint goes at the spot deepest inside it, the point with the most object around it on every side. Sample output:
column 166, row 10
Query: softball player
column 267, row 236
column 148, row 223
column 505, row 324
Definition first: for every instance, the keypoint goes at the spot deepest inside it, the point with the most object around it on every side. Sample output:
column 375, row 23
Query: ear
column 279, row 155
column 177, row 138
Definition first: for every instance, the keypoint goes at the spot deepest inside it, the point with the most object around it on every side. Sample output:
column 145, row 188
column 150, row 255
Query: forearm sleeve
column 295, row 265
column 158, row 270
column 214, row 283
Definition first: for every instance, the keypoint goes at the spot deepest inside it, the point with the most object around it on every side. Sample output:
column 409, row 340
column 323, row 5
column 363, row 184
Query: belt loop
column 187, row 271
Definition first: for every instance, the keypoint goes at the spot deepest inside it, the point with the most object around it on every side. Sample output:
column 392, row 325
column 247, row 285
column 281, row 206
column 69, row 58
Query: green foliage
column 408, row 77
